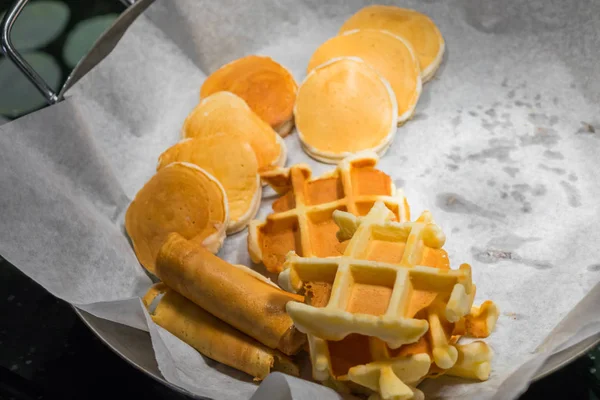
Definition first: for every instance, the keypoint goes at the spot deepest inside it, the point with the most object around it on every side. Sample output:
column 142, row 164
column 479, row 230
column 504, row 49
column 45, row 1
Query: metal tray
column 134, row 345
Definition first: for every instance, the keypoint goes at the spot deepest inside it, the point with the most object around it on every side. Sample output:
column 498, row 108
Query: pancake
column 417, row 28
column 181, row 198
column 267, row 87
column 225, row 117
column 343, row 107
column 392, row 56
column 237, row 172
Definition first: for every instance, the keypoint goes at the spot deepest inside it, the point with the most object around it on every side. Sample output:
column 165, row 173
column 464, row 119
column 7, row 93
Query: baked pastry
column 211, row 336
column 302, row 218
column 230, row 293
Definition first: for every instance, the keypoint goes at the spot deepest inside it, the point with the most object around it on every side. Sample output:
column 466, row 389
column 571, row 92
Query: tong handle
column 9, row 50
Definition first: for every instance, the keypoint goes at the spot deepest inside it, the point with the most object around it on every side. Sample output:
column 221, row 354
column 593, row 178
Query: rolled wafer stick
column 212, row 337
column 231, row 294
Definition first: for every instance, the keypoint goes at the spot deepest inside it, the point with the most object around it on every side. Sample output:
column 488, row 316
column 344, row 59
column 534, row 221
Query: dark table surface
column 46, row 352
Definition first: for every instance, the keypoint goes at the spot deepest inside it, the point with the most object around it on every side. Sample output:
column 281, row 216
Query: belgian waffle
column 391, row 276
column 302, row 218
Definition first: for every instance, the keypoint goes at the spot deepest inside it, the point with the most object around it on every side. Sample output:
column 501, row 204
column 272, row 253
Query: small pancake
column 226, row 117
column 267, row 87
column 181, row 198
column 233, row 164
column 391, row 55
column 343, row 107
column 417, row 28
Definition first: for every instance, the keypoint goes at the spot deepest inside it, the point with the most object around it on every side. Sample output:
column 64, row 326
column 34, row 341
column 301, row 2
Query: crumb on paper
column 586, row 128
column 511, row 315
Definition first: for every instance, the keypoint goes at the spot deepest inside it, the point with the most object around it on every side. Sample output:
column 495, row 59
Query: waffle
column 480, row 322
column 302, row 220
column 379, row 298
column 352, row 300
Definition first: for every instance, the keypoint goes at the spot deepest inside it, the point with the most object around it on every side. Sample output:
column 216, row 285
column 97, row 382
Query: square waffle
column 378, row 298
column 302, row 218
column 357, row 303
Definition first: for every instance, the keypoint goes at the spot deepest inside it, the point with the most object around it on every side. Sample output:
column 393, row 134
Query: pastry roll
column 211, row 336
column 230, row 293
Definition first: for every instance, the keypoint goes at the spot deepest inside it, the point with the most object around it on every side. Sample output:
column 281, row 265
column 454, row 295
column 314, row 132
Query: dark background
column 46, row 352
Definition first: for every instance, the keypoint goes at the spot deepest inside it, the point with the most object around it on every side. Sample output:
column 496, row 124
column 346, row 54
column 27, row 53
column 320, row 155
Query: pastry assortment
column 368, row 293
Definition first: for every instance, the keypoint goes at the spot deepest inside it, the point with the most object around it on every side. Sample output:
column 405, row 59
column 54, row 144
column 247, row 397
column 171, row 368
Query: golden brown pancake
column 415, row 27
column 391, row 55
column 180, row 198
column 343, row 107
column 234, row 165
column 225, row 117
column 267, row 87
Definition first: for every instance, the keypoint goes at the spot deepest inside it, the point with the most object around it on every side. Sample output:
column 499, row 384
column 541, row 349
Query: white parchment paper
column 503, row 149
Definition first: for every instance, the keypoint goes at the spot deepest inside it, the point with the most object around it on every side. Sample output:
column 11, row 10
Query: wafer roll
column 231, row 294
column 212, row 337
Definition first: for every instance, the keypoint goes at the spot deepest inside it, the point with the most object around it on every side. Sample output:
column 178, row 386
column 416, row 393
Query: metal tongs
column 7, row 48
